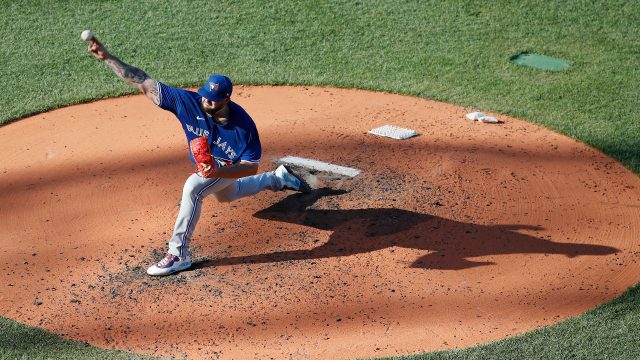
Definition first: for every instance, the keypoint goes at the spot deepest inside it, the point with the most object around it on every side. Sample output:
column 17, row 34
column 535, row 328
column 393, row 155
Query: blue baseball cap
column 217, row 88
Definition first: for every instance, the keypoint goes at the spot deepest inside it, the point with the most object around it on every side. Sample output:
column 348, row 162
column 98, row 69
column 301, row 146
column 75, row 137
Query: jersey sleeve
column 253, row 151
column 169, row 97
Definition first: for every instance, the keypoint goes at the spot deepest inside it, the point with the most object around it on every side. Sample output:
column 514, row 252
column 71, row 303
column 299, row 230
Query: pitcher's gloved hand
column 202, row 154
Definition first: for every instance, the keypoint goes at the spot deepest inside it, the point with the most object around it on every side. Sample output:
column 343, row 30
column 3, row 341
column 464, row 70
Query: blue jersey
column 236, row 141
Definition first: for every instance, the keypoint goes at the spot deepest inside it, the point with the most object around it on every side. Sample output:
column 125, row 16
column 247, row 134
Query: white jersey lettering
column 227, row 149
column 197, row 131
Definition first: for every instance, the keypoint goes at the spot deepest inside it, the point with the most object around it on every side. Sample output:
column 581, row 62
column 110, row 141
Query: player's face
column 212, row 107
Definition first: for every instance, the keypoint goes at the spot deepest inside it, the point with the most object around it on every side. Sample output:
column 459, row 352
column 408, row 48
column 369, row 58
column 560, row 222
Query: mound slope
column 465, row 234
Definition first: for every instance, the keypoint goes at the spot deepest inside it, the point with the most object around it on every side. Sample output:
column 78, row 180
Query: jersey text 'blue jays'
column 236, row 141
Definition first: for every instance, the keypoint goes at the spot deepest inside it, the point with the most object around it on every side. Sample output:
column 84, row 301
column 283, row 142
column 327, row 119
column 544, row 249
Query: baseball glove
column 202, row 154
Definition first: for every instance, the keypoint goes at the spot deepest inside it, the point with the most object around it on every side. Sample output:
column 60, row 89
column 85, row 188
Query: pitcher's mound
column 467, row 233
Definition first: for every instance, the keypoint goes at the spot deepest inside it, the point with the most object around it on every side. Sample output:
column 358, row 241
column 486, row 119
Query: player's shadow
column 450, row 244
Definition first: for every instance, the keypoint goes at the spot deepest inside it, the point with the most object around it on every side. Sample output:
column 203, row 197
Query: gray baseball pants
column 197, row 188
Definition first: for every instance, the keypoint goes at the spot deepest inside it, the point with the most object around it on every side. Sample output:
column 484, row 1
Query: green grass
column 18, row 341
column 455, row 51
column 607, row 332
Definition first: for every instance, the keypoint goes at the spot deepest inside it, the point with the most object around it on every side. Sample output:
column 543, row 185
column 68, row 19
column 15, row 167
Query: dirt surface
column 468, row 233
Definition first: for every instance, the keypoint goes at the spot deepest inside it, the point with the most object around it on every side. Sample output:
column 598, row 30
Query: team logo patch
column 213, row 86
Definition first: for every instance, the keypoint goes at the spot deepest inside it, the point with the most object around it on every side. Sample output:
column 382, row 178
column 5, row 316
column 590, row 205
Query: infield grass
column 607, row 332
column 454, row 51
column 18, row 341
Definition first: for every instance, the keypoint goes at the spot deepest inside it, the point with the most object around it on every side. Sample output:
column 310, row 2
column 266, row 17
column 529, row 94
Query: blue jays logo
column 213, row 86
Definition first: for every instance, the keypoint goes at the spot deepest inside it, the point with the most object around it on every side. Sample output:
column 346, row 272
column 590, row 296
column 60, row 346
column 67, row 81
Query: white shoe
column 169, row 265
column 291, row 180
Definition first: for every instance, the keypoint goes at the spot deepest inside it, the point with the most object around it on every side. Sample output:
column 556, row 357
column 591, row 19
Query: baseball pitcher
column 223, row 142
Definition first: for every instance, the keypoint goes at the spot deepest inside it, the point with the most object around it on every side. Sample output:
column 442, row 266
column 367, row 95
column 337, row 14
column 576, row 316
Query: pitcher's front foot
column 169, row 264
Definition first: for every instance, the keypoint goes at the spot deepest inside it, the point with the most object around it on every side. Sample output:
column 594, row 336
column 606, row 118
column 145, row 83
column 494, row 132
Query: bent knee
column 190, row 191
column 194, row 187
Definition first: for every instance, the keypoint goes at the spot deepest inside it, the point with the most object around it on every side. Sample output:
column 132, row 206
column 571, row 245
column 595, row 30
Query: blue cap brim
column 209, row 96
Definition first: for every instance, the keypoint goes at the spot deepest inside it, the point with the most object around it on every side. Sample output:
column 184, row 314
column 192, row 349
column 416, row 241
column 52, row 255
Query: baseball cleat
column 169, row 265
column 290, row 180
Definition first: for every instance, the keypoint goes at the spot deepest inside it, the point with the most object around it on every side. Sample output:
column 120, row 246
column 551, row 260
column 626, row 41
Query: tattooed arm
column 132, row 75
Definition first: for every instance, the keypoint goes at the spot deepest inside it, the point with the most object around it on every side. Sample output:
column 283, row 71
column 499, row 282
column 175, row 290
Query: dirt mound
column 465, row 234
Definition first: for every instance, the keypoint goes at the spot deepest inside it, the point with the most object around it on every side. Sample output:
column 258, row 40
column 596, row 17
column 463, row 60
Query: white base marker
column 393, row 132
column 476, row 115
column 320, row 166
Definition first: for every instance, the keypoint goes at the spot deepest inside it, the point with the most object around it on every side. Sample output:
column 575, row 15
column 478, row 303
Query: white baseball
column 86, row 35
